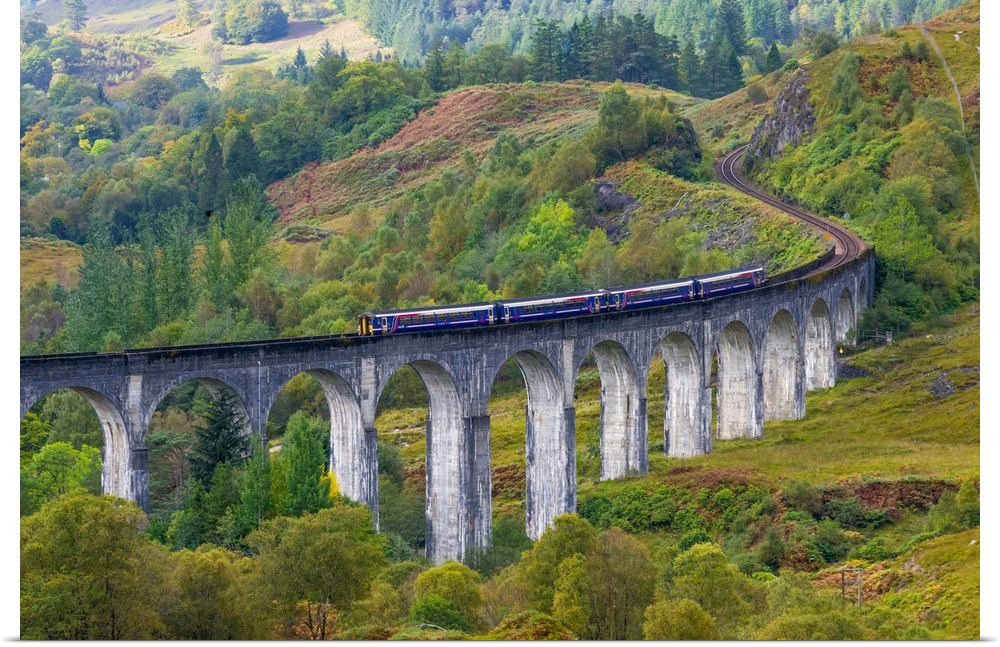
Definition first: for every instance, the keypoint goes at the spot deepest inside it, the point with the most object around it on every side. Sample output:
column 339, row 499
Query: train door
column 618, row 301
column 385, row 325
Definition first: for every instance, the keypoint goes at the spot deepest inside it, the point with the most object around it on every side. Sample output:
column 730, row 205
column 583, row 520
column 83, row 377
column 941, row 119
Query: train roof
column 651, row 284
column 461, row 307
column 741, row 270
column 551, row 297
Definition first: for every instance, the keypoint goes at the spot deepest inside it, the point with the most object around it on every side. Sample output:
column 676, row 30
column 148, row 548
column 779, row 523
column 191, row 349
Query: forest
column 509, row 151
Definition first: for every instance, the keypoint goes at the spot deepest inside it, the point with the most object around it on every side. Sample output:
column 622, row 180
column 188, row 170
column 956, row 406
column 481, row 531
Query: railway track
column 847, row 245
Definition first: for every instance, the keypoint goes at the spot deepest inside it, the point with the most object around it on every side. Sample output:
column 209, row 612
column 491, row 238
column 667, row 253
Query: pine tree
column 76, row 14
column 325, row 50
column 546, row 51
column 691, row 69
column 213, row 265
column 240, row 160
column 729, row 24
column 773, row 60
column 209, row 194
column 302, row 448
column 148, row 311
column 303, row 72
column 454, row 64
column 102, row 301
column 221, row 440
column 434, row 68
column 248, row 229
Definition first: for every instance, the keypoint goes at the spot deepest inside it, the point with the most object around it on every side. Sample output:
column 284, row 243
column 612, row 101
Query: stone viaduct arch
column 772, row 345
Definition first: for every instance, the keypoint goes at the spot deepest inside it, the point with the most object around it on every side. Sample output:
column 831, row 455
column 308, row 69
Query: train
column 593, row 302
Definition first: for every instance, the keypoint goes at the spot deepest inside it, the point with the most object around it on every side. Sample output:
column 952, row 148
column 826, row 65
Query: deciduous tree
column 289, row 551
column 88, row 572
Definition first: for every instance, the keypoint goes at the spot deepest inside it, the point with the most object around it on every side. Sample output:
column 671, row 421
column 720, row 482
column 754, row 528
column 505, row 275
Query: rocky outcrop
column 790, row 121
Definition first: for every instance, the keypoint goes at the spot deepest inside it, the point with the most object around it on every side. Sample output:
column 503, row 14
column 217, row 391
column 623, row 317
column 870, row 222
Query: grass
column 50, row 260
column 939, row 585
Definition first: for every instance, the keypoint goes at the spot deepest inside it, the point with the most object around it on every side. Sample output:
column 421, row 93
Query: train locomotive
column 594, row 302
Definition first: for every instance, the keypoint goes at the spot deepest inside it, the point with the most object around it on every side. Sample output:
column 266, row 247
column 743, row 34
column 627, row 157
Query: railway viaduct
column 772, row 345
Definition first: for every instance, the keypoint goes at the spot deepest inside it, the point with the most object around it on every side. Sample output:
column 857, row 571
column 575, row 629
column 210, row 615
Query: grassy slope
column 50, row 260
column 470, row 118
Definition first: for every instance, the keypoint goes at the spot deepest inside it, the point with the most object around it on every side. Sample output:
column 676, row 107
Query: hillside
column 466, row 119
column 182, row 46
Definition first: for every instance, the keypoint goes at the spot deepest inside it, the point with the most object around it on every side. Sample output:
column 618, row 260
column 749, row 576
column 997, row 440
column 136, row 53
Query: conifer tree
column 177, row 250
column 302, row 449
column 102, row 301
column 729, row 24
column 209, row 198
column 691, row 69
column 149, row 268
column 325, row 50
column 221, row 439
column 76, row 14
column 434, row 68
column 773, row 60
column 240, row 160
column 546, row 51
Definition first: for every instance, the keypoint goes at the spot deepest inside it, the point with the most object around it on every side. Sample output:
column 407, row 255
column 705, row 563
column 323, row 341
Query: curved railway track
column 847, row 245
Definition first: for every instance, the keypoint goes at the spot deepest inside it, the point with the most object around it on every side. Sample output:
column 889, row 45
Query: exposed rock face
column 791, row 120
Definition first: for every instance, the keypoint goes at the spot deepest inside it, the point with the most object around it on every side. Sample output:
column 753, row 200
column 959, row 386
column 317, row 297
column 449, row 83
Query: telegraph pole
column 845, row 582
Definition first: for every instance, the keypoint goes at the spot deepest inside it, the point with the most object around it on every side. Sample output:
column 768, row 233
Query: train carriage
column 712, row 285
column 464, row 315
column 650, row 295
column 552, row 307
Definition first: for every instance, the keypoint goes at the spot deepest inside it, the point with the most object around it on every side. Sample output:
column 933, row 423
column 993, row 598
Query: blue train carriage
column 464, row 315
column 709, row 286
column 649, row 295
column 552, row 307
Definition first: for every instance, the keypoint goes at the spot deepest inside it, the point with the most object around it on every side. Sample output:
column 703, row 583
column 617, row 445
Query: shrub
column 846, row 512
column 756, row 94
column 802, row 496
column 771, row 550
column 873, row 551
column 967, row 504
column 435, row 610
